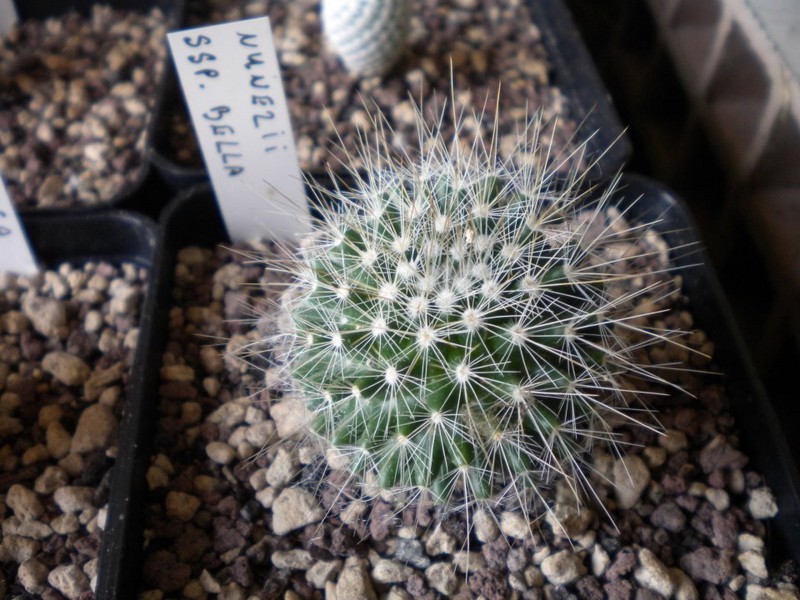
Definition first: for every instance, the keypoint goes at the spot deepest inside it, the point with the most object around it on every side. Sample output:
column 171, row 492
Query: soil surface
column 240, row 506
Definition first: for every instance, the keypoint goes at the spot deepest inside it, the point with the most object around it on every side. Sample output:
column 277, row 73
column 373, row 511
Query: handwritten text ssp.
column 231, row 79
column 262, row 99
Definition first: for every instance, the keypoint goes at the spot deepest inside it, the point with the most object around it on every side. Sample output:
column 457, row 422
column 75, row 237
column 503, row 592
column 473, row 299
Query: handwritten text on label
column 231, row 80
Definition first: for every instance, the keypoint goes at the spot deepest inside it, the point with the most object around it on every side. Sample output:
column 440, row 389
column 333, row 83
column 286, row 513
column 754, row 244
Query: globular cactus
column 368, row 35
column 461, row 324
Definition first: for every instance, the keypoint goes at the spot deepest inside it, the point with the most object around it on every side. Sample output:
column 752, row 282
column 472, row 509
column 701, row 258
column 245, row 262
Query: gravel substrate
column 76, row 96
column 67, row 344
column 226, row 518
column 489, row 43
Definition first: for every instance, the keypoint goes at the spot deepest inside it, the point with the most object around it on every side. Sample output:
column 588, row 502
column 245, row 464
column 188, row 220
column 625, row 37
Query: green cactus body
column 452, row 327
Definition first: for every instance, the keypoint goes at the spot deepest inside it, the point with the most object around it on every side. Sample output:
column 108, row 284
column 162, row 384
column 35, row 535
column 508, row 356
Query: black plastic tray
column 572, row 70
column 176, row 176
column 114, row 236
column 194, row 219
column 173, row 12
column 763, row 437
column 41, row 9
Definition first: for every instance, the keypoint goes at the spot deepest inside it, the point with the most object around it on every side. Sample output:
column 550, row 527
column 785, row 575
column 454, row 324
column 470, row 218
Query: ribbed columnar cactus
column 461, row 324
column 369, row 35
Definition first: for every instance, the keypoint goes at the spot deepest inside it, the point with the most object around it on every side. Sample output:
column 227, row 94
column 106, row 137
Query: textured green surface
column 461, row 326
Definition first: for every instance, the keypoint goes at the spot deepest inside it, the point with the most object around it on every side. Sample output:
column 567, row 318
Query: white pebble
column 467, row 562
column 66, row 368
column 440, row 542
column 600, row 560
column 631, row 477
column 50, row 480
column 65, row 524
column 290, row 416
column 390, row 571
column 685, row 589
column 762, row 504
column 266, row 497
column 69, row 580
column 73, row 498
column 32, row 574
column 718, row 498
column 442, row 577
column 283, row 468
column 296, row 560
column 220, row 452
column 748, row 541
column 653, row 574
column 514, row 525
column 229, row 414
column 24, row 502
column 322, row 572
column 35, row 530
column 563, row 568
column 254, row 415
column 673, row 441
column 182, row 506
column 753, row 563
column 294, row 508
column 758, row 592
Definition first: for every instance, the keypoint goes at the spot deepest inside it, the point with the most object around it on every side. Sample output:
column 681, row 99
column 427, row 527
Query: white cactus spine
column 465, row 326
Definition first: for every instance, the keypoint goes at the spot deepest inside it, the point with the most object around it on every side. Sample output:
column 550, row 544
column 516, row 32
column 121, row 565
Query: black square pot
column 128, row 195
column 112, row 237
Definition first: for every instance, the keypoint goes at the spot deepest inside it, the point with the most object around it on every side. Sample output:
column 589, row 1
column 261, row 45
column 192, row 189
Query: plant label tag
column 8, row 16
column 16, row 255
column 231, row 80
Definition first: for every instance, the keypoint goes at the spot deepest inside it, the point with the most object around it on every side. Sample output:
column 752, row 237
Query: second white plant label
column 16, row 255
column 232, row 84
column 8, row 16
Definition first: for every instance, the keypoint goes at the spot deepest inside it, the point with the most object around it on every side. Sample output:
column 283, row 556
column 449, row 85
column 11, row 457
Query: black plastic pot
column 44, row 9
column 113, row 236
column 763, row 437
column 193, row 219
column 130, row 195
column 572, row 70
column 176, row 176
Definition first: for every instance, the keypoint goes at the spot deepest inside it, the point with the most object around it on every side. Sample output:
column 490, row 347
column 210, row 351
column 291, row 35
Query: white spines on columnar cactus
column 368, row 35
column 462, row 324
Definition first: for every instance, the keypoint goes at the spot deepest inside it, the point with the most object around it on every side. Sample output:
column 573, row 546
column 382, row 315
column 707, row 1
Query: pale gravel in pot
column 487, row 43
column 68, row 337
column 76, row 97
column 278, row 523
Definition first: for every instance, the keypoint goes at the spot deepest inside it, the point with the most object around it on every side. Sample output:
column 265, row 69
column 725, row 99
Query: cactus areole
column 456, row 324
